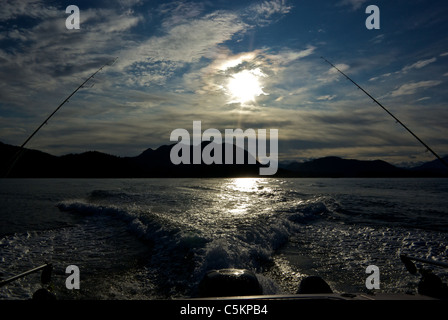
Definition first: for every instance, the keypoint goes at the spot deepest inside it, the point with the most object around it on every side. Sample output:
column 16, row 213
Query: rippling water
column 155, row 238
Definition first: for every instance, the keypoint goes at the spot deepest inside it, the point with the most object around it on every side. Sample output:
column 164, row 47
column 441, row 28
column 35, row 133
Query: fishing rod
column 384, row 108
column 21, row 150
column 45, row 277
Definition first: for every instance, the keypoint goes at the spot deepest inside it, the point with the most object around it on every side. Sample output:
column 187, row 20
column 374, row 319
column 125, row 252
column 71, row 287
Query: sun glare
column 245, row 184
column 245, row 86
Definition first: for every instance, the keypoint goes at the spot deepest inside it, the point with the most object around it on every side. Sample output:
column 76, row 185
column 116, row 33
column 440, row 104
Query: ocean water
column 156, row 238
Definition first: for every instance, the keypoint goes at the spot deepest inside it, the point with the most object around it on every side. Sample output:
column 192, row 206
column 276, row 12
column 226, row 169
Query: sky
column 228, row 64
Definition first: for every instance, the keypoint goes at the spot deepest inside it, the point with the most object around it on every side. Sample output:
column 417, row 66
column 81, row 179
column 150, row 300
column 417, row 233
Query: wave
column 186, row 242
column 181, row 247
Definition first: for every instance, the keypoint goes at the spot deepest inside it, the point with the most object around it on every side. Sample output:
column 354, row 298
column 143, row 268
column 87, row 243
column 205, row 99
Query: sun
column 245, row 86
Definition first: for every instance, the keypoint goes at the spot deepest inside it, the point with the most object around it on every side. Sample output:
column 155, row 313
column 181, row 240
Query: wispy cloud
column 156, row 59
column 326, row 97
column 266, row 9
column 378, row 39
column 287, row 55
column 407, row 75
column 266, row 12
column 413, row 87
column 419, row 64
column 27, row 8
column 385, row 75
column 332, row 74
column 179, row 12
column 354, row 4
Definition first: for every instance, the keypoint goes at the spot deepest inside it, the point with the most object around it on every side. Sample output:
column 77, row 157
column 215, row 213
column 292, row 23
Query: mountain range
column 156, row 163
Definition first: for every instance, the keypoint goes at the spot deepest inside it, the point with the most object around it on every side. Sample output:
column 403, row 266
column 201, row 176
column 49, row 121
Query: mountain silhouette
column 435, row 167
column 338, row 167
column 157, row 163
column 93, row 164
column 152, row 163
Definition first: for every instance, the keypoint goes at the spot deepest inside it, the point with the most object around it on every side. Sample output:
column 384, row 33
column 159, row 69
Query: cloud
column 179, row 12
column 12, row 9
column 385, row 75
column 156, row 59
column 268, row 8
column 44, row 62
column 354, row 4
column 414, row 66
column 413, row 87
column 266, row 12
column 419, row 64
column 185, row 35
column 287, row 56
column 50, row 51
column 341, row 66
column 378, row 39
column 332, row 74
column 326, row 98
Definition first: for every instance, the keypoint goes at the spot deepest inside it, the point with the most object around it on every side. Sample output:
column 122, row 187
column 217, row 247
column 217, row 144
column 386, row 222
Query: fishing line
column 384, row 108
